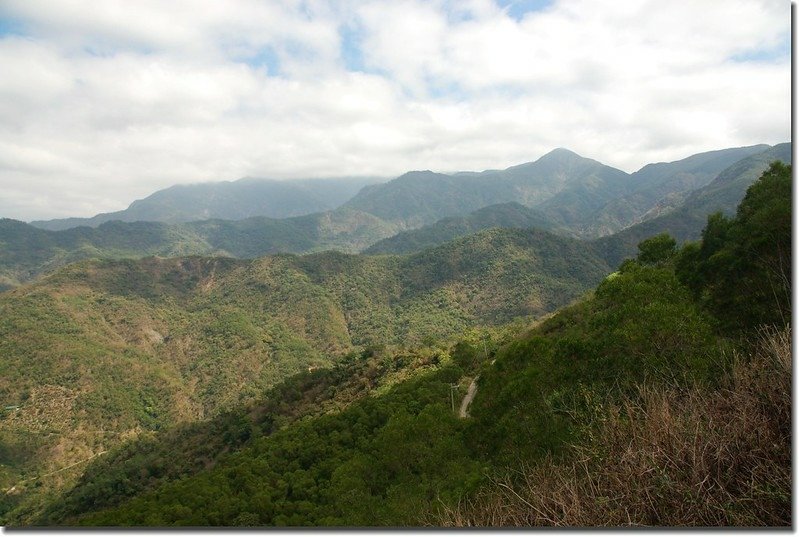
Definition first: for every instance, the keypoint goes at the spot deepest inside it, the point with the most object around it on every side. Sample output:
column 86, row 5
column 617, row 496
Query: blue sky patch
column 266, row 57
column 780, row 51
column 9, row 26
column 519, row 8
column 351, row 40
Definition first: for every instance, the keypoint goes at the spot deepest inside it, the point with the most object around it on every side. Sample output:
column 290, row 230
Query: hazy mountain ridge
column 688, row 219
column 229, row 200
column 661, row 183
column 28, row 252
column 586, row 199
column 419, row 198
column 682, row 213
column 581, row 196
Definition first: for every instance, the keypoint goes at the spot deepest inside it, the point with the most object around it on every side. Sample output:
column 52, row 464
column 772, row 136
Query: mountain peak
column 560, row 153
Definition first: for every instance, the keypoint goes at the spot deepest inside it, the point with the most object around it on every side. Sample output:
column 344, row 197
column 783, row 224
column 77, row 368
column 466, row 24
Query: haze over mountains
column 561, row 192
column 570, row 189
column 229, row 200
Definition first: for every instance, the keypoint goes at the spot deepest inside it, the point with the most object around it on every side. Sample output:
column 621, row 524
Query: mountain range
column 229, row 200
column 561, row 192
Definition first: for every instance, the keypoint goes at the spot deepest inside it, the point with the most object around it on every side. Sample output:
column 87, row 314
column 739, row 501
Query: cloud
column 103, row 103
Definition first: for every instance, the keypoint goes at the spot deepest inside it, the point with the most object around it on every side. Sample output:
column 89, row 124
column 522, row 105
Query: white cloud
column 102, row 103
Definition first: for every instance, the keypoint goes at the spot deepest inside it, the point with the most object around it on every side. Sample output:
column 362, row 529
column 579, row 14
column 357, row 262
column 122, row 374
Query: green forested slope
column 594, row 386
column 108, row 349
column 507, row 215
column 27, row 252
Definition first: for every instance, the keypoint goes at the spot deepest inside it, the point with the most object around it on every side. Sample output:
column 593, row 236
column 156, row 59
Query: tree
column 657, row 249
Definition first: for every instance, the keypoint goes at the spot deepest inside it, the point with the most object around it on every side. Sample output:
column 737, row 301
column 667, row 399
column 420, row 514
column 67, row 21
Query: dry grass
column 669, row 457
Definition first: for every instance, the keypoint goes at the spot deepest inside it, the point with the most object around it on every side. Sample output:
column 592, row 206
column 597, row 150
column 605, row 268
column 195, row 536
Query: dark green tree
column 657, row 249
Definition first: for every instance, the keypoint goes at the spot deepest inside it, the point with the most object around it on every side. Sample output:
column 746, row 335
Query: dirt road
column 467, row 400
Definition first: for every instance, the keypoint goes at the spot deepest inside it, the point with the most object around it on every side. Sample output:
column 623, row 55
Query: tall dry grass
column 667, row 457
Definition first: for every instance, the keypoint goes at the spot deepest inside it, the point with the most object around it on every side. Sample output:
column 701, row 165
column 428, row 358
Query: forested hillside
column 507, row 215
column 663, row 398
column 103, row 350
column 28, row 252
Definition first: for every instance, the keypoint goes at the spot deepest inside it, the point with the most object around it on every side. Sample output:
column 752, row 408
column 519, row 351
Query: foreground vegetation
column 665, row 455
column 661, row 399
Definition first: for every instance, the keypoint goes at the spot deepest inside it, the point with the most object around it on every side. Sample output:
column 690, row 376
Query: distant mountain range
column 419, row 198
column 227, row 200
column 579, row 196
column 561, row 192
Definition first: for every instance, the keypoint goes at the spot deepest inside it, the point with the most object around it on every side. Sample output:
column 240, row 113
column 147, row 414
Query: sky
column 102, row 103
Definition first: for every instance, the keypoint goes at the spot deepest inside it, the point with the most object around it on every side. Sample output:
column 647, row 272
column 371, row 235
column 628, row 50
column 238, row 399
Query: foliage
column 380, row 461
column 657, row 249
column 187, row 449
column 141, row 345
column 663, row 456
column 742, row 271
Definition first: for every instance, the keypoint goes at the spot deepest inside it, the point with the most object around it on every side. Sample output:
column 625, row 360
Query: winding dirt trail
column 14, row 488
column 467, row 399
